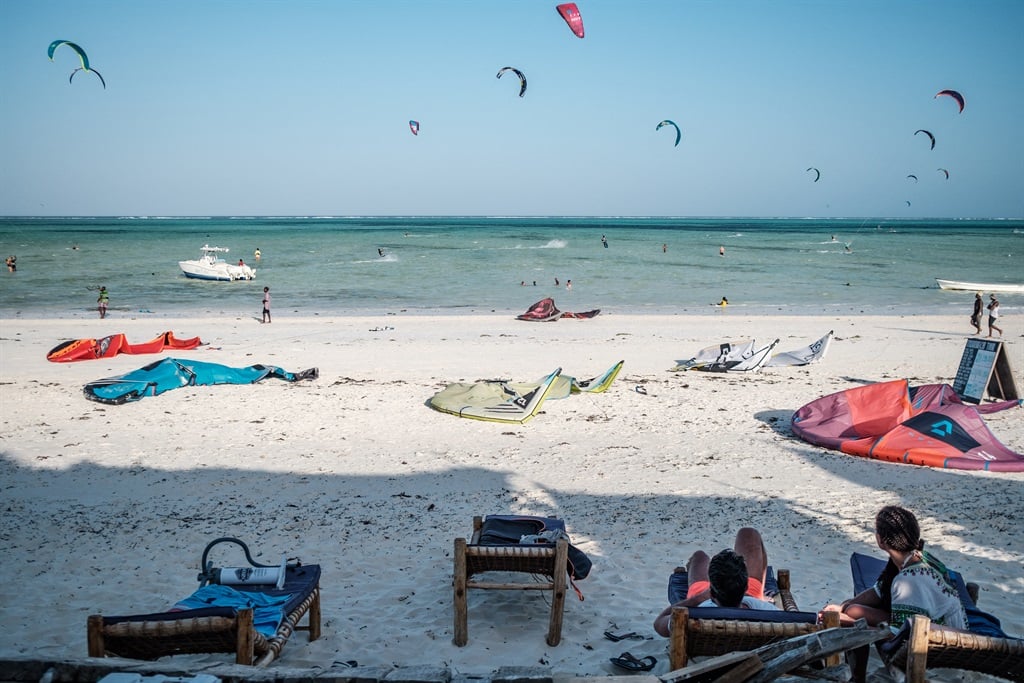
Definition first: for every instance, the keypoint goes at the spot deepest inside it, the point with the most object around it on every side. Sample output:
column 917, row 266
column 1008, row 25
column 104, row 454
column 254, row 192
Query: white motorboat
column 980, row 286
column 210, row 266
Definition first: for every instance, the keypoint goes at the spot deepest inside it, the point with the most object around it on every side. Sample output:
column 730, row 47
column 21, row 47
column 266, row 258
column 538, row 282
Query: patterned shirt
column 923, row 587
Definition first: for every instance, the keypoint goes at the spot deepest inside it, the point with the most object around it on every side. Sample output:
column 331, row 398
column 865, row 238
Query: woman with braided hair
column 913, row 582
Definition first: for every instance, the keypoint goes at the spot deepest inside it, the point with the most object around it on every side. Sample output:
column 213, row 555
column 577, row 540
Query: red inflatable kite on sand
column 545, row 311
column 926, row 425
column 91, row 349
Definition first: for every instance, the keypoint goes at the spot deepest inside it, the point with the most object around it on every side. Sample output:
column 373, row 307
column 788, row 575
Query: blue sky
column 301, row 107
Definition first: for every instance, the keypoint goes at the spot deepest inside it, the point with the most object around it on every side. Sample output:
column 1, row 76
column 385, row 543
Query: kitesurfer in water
column 733, row 578
column 380, row 252
column 266, row 305
column 102, row 302
column 976, row 315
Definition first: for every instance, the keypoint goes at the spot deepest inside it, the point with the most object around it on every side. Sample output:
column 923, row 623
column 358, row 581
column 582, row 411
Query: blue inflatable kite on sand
column 174, row 373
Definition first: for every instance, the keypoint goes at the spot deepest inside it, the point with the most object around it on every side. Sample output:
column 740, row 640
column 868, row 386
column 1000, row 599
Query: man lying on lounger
column 732, row 578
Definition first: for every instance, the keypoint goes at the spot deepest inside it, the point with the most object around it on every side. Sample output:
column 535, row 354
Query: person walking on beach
column 104, row 300
column 976, row 315
column 993, row 315
column 266, row 305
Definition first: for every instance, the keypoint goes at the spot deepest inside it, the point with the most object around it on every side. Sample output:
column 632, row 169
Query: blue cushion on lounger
column 679, row 582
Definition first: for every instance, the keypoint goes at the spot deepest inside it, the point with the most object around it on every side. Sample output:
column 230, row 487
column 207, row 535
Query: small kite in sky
column 571, row 13
column 817, row 173
column 942, row 170
column 414, row 126
column 81, row 56
column 912, row 176
column 666, row 122
column 517, row 72
column 955, row 95
column 930, row 136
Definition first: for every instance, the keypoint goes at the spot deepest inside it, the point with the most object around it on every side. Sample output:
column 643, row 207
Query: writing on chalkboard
column 984, row 367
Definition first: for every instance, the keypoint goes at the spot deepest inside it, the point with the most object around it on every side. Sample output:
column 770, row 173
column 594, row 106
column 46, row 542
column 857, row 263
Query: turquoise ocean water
column 331, row 265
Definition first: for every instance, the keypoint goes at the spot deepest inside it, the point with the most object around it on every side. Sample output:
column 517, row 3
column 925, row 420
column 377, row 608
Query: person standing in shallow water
column 266, row 305
column 102, row 302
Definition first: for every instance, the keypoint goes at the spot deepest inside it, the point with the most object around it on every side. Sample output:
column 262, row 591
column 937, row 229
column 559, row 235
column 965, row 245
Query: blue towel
column 267, row 609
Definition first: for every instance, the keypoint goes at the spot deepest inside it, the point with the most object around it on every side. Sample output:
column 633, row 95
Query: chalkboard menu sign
column 984, row 367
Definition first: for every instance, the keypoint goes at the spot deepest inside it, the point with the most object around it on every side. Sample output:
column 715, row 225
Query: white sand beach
column 106, row 509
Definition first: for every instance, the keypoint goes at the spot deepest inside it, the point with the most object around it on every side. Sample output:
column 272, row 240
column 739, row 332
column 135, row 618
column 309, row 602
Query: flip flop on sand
column 616, row 638
column 630, row 663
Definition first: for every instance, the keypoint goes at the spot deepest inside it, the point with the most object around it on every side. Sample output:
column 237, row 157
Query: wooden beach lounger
column 984, row 648
column 480, row 554
column 213, row 629
column 714, row 631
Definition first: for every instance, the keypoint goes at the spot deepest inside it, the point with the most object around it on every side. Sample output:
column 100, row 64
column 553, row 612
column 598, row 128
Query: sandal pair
column 630, row 663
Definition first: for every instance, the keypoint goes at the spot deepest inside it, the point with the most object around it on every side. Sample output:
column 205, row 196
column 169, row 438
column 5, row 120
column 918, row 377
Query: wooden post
column 94, row 636
column 314, row 617
column 459, row 582
column 831, row 620
column 917, row 649
column 783, row 579
column 558, row 582
column 245, row 645
column 677, row 638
